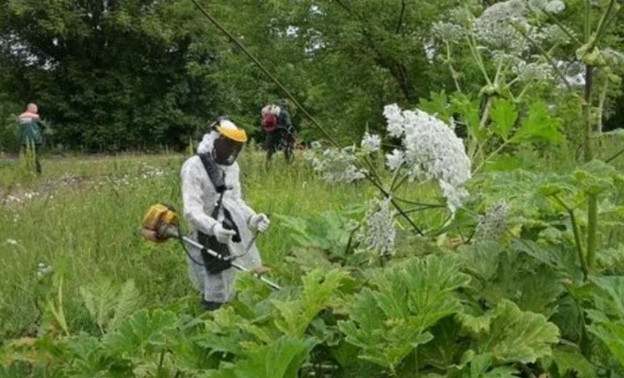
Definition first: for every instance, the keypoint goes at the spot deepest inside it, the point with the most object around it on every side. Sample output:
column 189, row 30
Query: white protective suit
column 199, row 199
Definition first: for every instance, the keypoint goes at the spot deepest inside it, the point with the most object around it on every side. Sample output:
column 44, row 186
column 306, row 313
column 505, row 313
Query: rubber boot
column 210, row 306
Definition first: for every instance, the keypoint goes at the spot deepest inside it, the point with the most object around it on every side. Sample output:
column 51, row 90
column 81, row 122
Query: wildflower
column 371, row 143
column 496, row 27
column 379, row 233
column 550, row 6
column 431, row 151
column 44, row 270
column 395, row 159
column 493, row 224
column 554, row 35
column 337, row 165
column 316, row 145
column 533, row 71
column 448, row 32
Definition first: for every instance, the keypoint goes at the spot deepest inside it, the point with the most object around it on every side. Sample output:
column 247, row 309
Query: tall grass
column 82, row 218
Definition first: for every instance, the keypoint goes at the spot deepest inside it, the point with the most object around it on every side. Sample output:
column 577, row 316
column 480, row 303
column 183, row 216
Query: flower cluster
column 496, row 27
column 527, row 72
column 371, row 143
column 11, row 242
column 20, row 198
column 493, row 224
column 431, row 150
column 337, row 165
column 550, row 6
column 448, row 31
column 148, row 171
column 378, row 233
column 44, row 270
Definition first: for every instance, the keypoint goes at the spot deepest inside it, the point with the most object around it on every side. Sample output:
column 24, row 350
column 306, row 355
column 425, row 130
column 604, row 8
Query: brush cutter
column 161, row 222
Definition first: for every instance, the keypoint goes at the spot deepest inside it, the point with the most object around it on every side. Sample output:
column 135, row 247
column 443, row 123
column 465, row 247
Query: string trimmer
column 161, row 223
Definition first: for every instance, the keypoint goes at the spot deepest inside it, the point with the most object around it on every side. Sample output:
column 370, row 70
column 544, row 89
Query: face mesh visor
column 226, row 150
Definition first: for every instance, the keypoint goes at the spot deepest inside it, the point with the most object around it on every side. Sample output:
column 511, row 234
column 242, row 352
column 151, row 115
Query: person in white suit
column 219, row 217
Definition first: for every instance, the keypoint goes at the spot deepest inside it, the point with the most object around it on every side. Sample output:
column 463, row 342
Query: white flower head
column 44, row 270
column 550, row 6
column 554, row 35
column 316, row 145
column 493, row 224
column 495, row 27
column 533, row 71
column 378, row 233
column 337, row 165
column 431, row 151
column 395, row 120
column 448, row 32
column 11, row 242
column 371, row 143
column 395, row 159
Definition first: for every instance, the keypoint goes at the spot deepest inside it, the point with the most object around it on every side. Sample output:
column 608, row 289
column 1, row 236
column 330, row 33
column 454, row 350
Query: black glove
column 214, row 264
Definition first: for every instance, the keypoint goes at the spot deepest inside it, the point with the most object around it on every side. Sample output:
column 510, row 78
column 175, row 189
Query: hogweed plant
column 429, row 151
column 521, row 49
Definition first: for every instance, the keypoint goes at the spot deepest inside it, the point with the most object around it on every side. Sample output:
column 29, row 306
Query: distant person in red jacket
column 279, row 129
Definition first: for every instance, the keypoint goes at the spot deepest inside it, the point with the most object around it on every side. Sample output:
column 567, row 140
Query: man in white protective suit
column 219, row 217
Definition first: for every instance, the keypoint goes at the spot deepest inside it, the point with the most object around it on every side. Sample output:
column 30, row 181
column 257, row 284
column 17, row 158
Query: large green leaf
column 446, row 348
column 142, row 332
column 608, row 317
column 437, row 105
column 538, row 126
column 612, row 334
column 480, row 366
column 504, row 272
column 609, row 296
column 569, row 360
column 504, row 115
column 318, row 289
column 280, row 359
column 108, row 303
column 517, row 336
column 388, row 322
column 469, row 110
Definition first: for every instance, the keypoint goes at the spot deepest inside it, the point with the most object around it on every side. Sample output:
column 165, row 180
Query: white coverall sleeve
column 248, row 212
column 193, row 203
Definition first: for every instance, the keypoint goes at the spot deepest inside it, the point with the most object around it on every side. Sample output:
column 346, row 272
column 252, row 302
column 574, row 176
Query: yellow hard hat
column 229, row 130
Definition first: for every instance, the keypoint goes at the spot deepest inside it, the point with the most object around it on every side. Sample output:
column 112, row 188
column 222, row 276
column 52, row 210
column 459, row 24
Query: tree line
column 112, row 75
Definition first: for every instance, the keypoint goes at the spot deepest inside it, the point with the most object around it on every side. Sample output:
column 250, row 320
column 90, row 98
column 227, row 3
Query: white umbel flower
column 337, row 165
column 371, row 143
column 550, row 6
column 11, row 242
column 493, row 224
column 378, row 234
column 448, row 31
column 395, row 159
column 527, row 72
column 431, row 151
column 495, row 27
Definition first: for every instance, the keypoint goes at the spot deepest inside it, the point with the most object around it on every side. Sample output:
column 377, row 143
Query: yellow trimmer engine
column 160, row 223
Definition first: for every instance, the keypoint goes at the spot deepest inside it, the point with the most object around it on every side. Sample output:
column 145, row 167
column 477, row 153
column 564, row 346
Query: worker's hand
column 223, row 235
column 259, row 222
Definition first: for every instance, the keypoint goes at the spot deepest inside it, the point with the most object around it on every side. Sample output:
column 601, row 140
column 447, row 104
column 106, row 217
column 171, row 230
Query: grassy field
column 81, row 217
